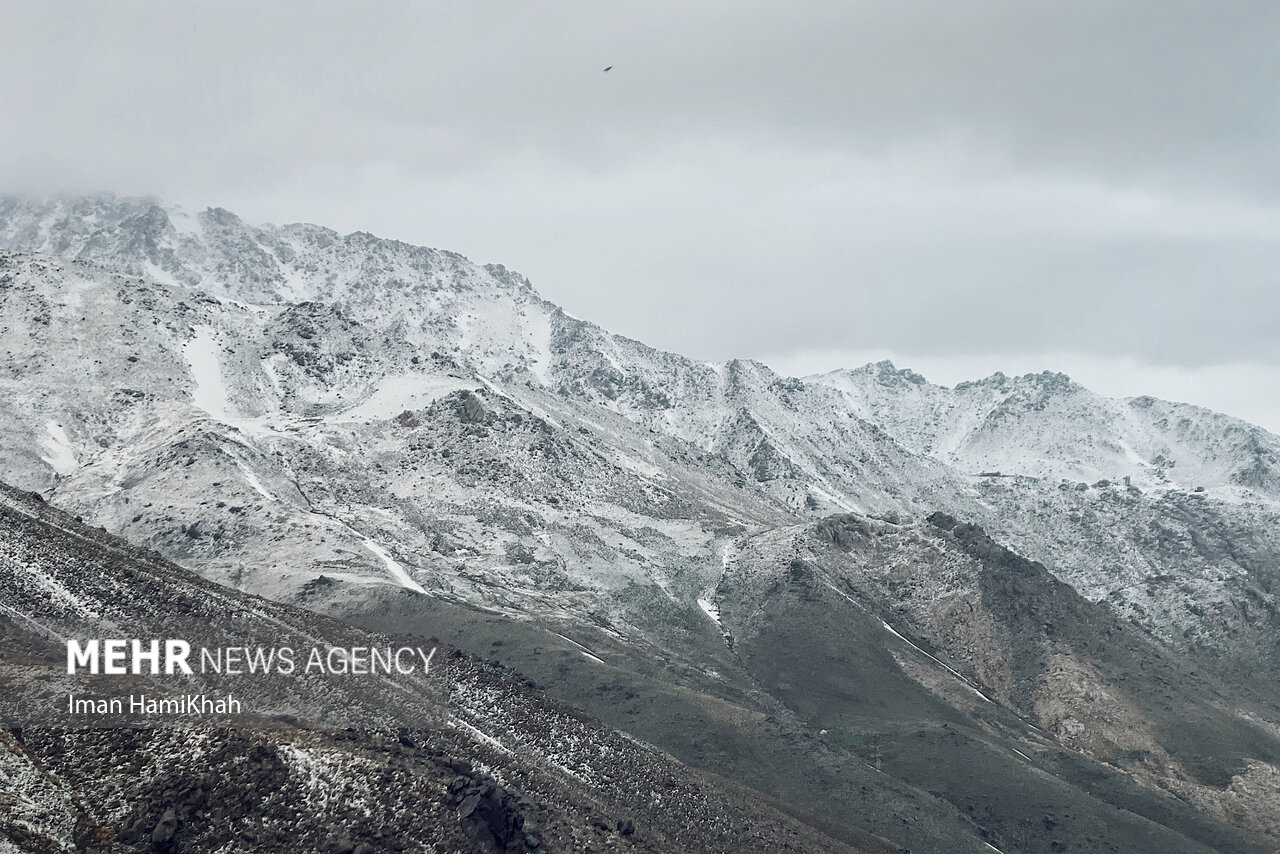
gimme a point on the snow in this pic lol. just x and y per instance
(398, 393)
(483, 737)
(209, 391)
(643, 469)
(894, 632)
(61, 458)
(539, 331)
(397, 571)
(58, 592)
(253, 481)
(74, 290)
(184, 223)
(164, 277)
(533, 408)
(585, 651)
(935, 660)
(41, 627)
(833, 499)
(875, 438)
(842, 593)
(1131, 455)
(463, 323)
(247, 306)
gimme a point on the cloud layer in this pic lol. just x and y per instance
(751, 178)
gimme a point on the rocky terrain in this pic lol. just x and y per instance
(497, 767)
(1013, 612)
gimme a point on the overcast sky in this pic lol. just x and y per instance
(1092, 187)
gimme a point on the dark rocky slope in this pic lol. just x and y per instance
(501, 768)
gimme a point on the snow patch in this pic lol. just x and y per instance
(540, 346)
(480, 735)
(397, 571)
(894, 632)
(158, 274)
(400, 393)
(253, 481)
(832, 498)
(585, 651)
(208, 391)
(61, 457)
(184, 223)
(41, 627)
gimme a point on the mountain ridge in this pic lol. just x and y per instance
(386, 418)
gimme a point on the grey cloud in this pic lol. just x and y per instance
(1176, 92)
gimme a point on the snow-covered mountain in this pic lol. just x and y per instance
(324, 419)
(1046, 426)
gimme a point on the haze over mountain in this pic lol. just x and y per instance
(1010, 613)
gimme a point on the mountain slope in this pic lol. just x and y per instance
(343, 422)
(543, 774)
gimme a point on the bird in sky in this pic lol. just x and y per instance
(610, 68)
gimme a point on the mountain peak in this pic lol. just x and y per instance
(219, 252)
(1049, 381)
(884, 372)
